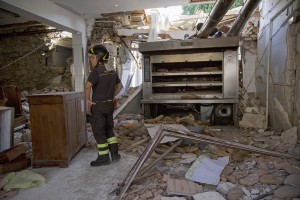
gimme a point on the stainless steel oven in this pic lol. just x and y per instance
(190, 75)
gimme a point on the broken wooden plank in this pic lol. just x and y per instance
(12, 153)
(138, 143)
(15, 165)
(4, 194)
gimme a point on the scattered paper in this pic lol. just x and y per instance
(207, 171)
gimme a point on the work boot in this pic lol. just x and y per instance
(115, 157)
(101, 160)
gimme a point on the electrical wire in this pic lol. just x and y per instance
(33, 51)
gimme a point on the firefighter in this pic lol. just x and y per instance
(105, 84)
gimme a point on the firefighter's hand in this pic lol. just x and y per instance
(89, 104)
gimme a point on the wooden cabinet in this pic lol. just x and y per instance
(58, 127)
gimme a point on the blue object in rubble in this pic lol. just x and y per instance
(218, 34)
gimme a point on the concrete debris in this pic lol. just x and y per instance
(288, 168)
(287, 191)
(254, 110)
(56, 80)
(187, 120)
(290, 136)
(281, 115)
(155, 120)
(271, 179)
(182, 187)
(235, 193)
(254, 192)
(255, 121)
(208, 196)
(249, 180)
(188, 160)
(293, 180)
(246, 192)
(188, 157)
(248, 175)
(224, 187)
(173, 198)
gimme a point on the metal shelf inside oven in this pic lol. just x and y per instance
(185, 73)
(189, 83)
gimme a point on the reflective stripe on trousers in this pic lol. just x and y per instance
(103, 149)
(112, 140)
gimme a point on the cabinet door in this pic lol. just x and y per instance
(71, 122)
(48, 133)
(81, 122)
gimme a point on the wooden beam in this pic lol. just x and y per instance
(20, 25)
(29, 33)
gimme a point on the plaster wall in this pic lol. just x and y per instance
(276, 46)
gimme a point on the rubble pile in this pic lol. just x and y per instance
(51, 89)
(23, 136)
(253, 114)
(250, 31)
(124, 97)
(248, 175)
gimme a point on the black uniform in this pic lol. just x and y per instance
(104, 83)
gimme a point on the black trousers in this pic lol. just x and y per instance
(102, 125)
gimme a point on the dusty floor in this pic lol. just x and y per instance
(257, 174)
(79, 181)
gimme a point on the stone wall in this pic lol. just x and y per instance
(105, 32)
(120, 59)
(26, 61)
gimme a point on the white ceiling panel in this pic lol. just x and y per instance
(94, 8)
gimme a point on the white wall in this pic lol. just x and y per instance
(282, 78)
(249, 63)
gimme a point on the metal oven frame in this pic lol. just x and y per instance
(222, 50)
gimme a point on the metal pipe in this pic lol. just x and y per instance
(215, 16)
(243, 17)
(148, 167)
(212, 140)
(139, 163)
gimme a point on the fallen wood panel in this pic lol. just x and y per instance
(138, 143)
(15, 166)
(12, 153)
